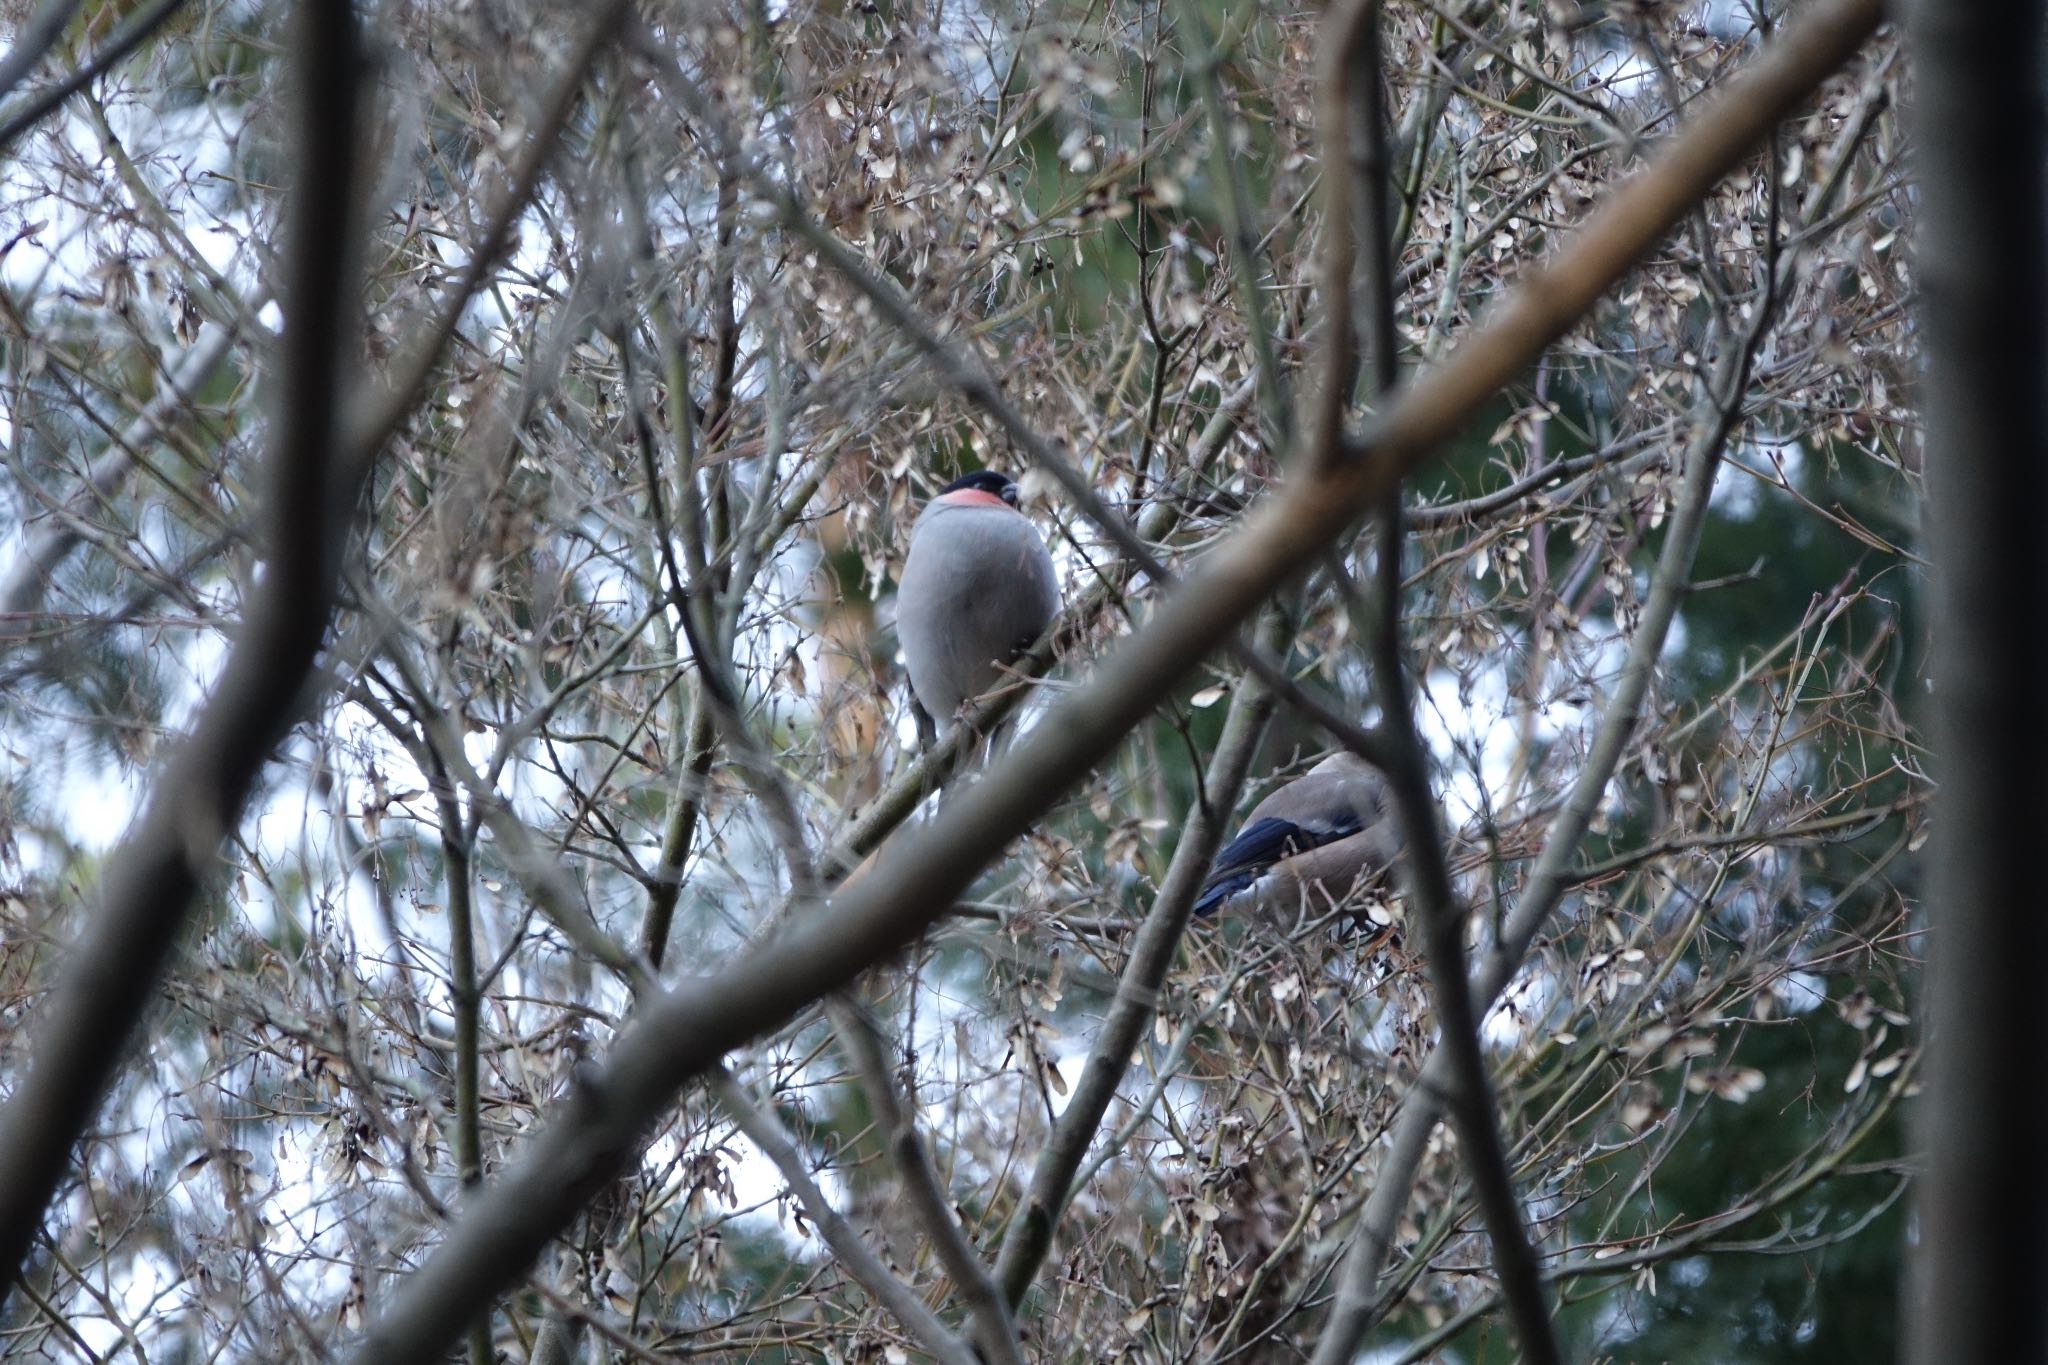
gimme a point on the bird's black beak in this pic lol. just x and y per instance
(1009, 494)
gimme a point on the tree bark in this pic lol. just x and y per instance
(1980, 1280)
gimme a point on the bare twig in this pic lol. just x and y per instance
(47, 544)
(539, 871)
(761, 1126)
(1356, 164)
(994, 1333)
(465, 1001)
(375, 424)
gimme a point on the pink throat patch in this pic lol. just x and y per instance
(971, 497)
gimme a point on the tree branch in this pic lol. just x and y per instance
(1029, 1235)
(33, 38)
(123, 41)
(81, 1030)
(995, 1334)
(1983, 1253)
(1357, 161)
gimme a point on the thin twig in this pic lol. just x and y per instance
(122, 42)
(994, 1332)
(48, 542)
(766, 1132)
(1357, 161)
(375, 424)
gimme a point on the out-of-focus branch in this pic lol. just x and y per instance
(1351, 31)
(556, 1341)
(1362, 97)
(766, 1132)
(81, 1029)
(686, 808)
(465, 1002)
(32, 39)
(1029, 1235)
(677, 1035)
(1204, 56)
(131, 35)
(1982, 1254)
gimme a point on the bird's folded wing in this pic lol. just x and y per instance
(1261, 844)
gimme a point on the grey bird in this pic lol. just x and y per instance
(978, 588)
(1325, 831)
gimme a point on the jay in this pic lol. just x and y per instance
(978, 588)
(1324, 832)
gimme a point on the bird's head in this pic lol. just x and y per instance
(984, 486)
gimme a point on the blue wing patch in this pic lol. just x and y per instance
(1217, 890)
(1261, 844)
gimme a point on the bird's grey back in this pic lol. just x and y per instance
(1340, 782)
(978, 585)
